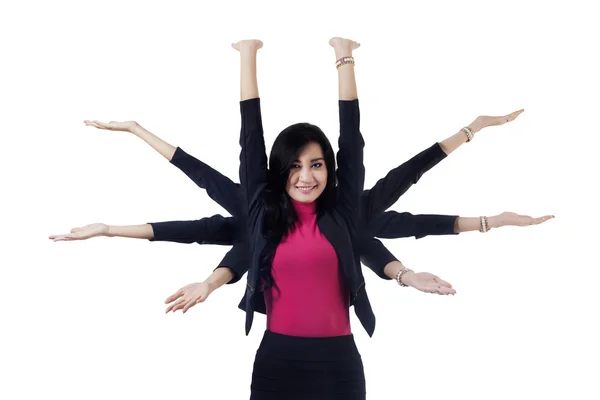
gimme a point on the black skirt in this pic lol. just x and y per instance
(292, 367)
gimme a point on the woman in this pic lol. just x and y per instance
(303, 188)
(225, 231)
(301, 228)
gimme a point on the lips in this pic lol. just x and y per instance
(305, 189)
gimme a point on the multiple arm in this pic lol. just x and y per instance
(221, 230)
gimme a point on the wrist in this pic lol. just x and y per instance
(494, 222)
(339, 53)
(212, 286)
(108, 231)
(401, 273)
(407, 277)
(135, 128)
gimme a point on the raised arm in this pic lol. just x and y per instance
(351, 171)
(253, 158)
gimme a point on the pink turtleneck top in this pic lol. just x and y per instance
(309, 296)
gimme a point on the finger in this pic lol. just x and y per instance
(175, 306)
(539, 220)
(191, 304)
(446, 290)
(442, 282)
(95, 124)
(180, 304)
(431, 288)
(442, 290)
(513, 115)
(174, 296)
(60, 238)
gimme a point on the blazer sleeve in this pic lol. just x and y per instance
(253, 159)
(351, 170)
(389, 189)
(237, 260)
(393, 225)
(219, 187)
(213, 230)
(375, 256)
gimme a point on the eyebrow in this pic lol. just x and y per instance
(313, 160)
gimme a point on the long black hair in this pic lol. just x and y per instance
(280, 217)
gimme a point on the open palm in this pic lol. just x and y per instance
(428, 283)
(125, 126)
(82, 233)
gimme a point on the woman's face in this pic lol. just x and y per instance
(308, 175)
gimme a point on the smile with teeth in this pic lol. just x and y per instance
(305, 189)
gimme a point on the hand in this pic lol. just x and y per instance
(483, 121)
(428, 283)
(343, 47)
(83, 233)
(126, 126)
(250, 44)
(188, 296)
(513, 219)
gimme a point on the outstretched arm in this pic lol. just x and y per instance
(219, 187)
(230, 270)
(162, 147)
(98, 229)
(393, 225)
(389, 189)
(481, 122)
(379, 259)
(213, 230)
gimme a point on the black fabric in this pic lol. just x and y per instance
(294, 368)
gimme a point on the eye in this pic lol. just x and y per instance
(294, 166)
(317, 165)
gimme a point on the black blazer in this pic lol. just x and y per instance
(338, 224)
(373, 221)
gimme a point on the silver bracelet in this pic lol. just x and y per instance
(468, 132)
(400, 274)
(344, 60)
(484, 226)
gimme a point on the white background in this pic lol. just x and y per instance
(85, 320)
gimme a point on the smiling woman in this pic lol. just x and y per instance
(308, 175)
(299, 228)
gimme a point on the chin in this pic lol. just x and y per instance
(304, 200)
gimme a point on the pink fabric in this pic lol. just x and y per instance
(309, 297)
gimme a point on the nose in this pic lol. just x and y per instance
(306, 175)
